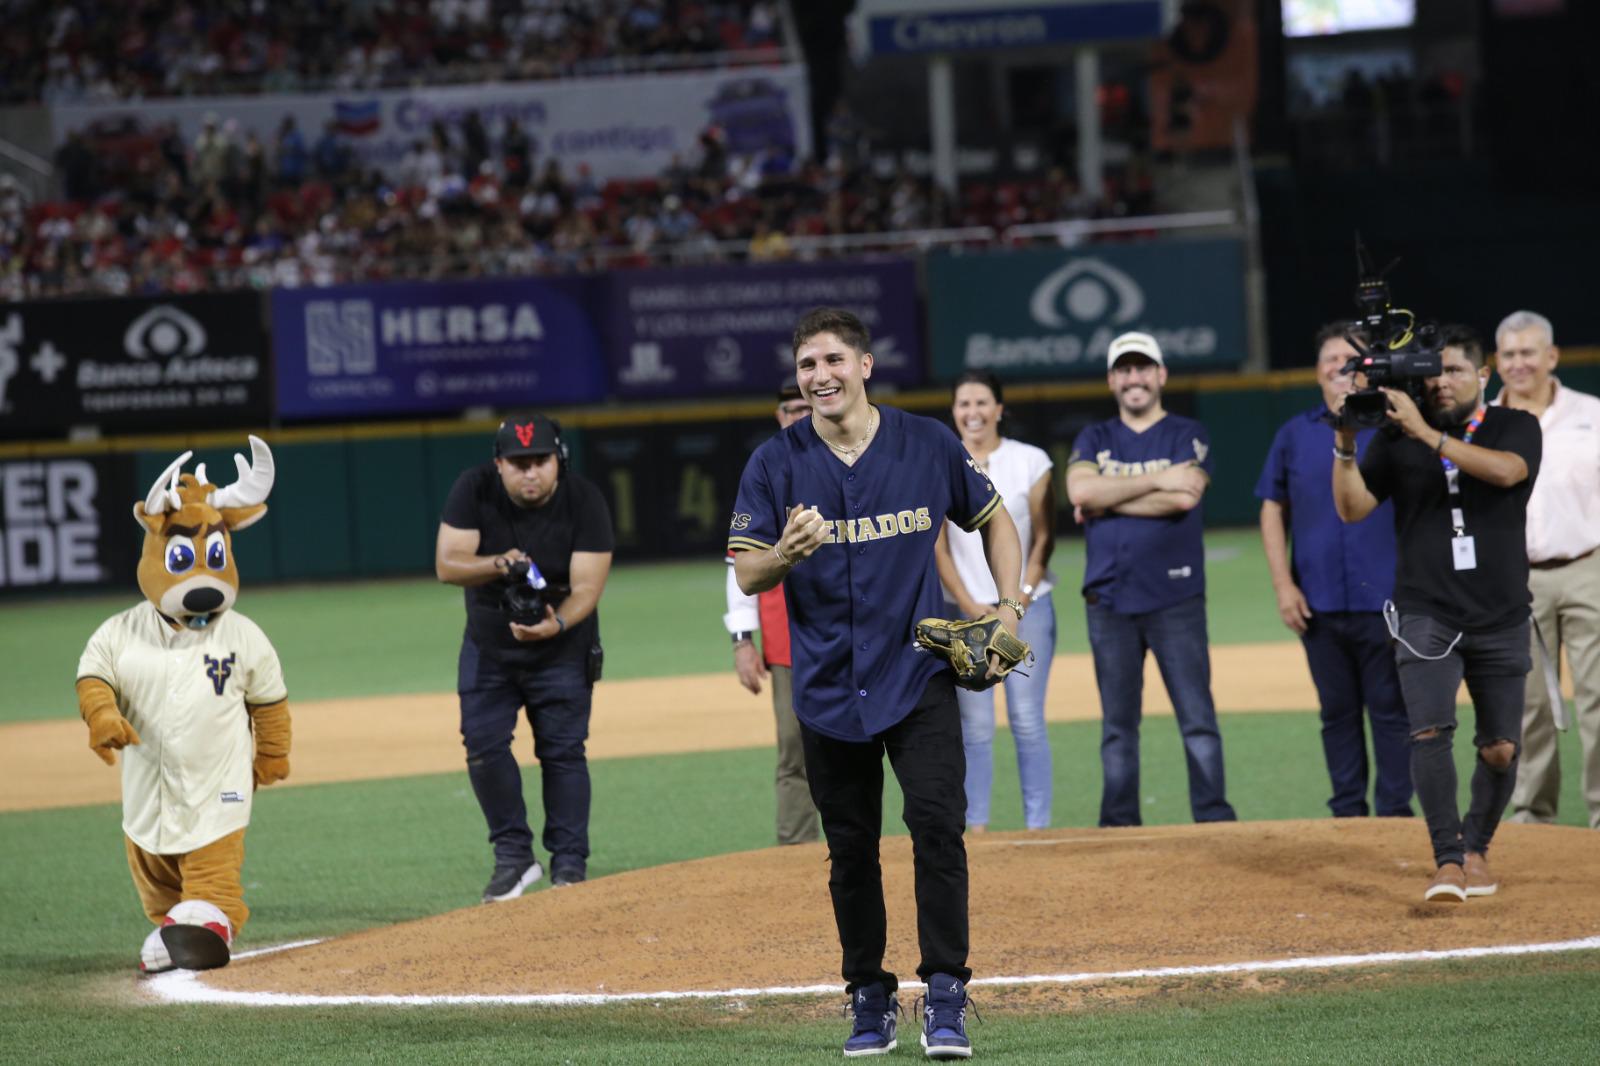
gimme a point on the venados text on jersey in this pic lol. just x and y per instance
(1110, 467)
(877, 527)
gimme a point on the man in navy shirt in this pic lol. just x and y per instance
(1332, 595)
(844, 508)
(1136, 480)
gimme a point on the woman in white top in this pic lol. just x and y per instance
(1021, 474)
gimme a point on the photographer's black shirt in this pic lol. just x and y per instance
(1495, 594)
(574, 519)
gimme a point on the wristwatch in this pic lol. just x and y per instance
(743, 636)
(1007, 601)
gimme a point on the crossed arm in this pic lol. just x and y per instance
(1172, 491)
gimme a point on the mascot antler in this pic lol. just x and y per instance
(163, 494)
(254, 482)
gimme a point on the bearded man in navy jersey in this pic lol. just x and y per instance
(1136, 482)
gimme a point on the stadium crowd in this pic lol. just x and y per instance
(229, 211)
(135, 49)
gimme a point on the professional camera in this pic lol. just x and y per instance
(1393, 351)
(524, 595)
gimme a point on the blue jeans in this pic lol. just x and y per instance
(557, 699)
(1352, 666)
(1176, 635)
(1025, 710)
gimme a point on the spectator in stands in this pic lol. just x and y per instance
(211, 147)
(290, 152)
(330, 156)
(516, 154)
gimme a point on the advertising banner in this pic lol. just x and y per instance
(729, 329)
(65, 523)
(399, 348)
(623, 127)
(898, 27)
(172, 363)
(1052, 312)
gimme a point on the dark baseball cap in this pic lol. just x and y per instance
(788, 392)
(531, 434)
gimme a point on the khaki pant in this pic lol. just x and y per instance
(210, 873)
(1566, 603)
(797, 815)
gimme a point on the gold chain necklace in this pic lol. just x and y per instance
(850, 453)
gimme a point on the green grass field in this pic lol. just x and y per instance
(328, 859)
(371, 638)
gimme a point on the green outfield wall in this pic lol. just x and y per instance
(364, 500)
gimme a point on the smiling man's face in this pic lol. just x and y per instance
(832, 375)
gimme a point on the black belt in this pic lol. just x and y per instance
(1556, 564)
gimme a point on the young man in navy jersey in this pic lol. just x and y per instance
(1136, 481)
(1332, 593)
(844, 509)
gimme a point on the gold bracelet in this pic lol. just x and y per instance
(781, 557)
(1007, 601)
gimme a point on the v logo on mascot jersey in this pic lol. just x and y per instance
(162, 668)
(219, 670)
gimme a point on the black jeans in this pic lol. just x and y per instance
(558, 699)
(1495, 666)
(846, 780)
(1352, 666)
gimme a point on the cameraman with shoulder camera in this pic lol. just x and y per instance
(1459, 473)
(530, 542)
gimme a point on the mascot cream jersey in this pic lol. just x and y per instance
(190, 780)
(194, 692)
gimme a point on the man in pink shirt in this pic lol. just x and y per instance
(1564, 566)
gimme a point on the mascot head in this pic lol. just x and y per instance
(186, 567)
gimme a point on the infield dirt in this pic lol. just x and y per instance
(1083, 901)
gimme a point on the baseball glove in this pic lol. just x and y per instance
(967, 645)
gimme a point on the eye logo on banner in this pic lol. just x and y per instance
(164, 331)
(1086, 290)
(724, 360)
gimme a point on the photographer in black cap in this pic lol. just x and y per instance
(530, 541)
(1460, 474)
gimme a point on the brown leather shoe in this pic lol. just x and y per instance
(1480, 882)
(1449, 885)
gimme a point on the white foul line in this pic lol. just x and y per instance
(184, 986)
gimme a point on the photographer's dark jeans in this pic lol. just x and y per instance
(1495, 666)
(1352, 666)
(558, 700)
(1176, 635)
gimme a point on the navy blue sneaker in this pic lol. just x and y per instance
(944, 1019)
(875, 1012)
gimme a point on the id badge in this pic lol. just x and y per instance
(1463, 553)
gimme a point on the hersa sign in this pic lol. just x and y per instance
(49, 528)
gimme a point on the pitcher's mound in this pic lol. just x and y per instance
(1049, 903)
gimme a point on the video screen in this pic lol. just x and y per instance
(1316, 18)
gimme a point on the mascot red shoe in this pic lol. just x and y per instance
(193, 693)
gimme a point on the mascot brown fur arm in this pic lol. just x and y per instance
(108, 730)
(271, 724)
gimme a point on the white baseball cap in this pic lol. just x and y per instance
(1134, 343)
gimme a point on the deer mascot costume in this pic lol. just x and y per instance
(195, 693)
